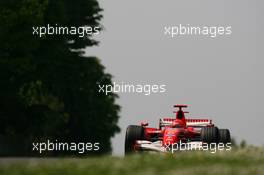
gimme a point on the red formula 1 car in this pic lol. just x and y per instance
(173, 130)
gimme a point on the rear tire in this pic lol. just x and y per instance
(224, 136)
(210, 135)
(133, 133)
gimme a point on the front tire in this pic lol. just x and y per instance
(133, 133)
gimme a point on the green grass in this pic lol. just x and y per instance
(241, 161)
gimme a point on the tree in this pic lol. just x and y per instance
(49, 89)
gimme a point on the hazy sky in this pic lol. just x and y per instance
(219, 78)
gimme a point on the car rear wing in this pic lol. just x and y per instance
(189, 122)
(198, 122)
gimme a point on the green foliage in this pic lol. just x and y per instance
(233, 142)
(49, 90)
(241, 161)
(243, 144)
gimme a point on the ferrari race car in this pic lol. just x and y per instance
(172, 131)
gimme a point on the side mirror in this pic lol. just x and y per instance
(144, 123)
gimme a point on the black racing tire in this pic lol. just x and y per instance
(133, 133)
(224, 136)
(210, 135)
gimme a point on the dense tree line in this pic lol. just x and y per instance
(49, 89)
